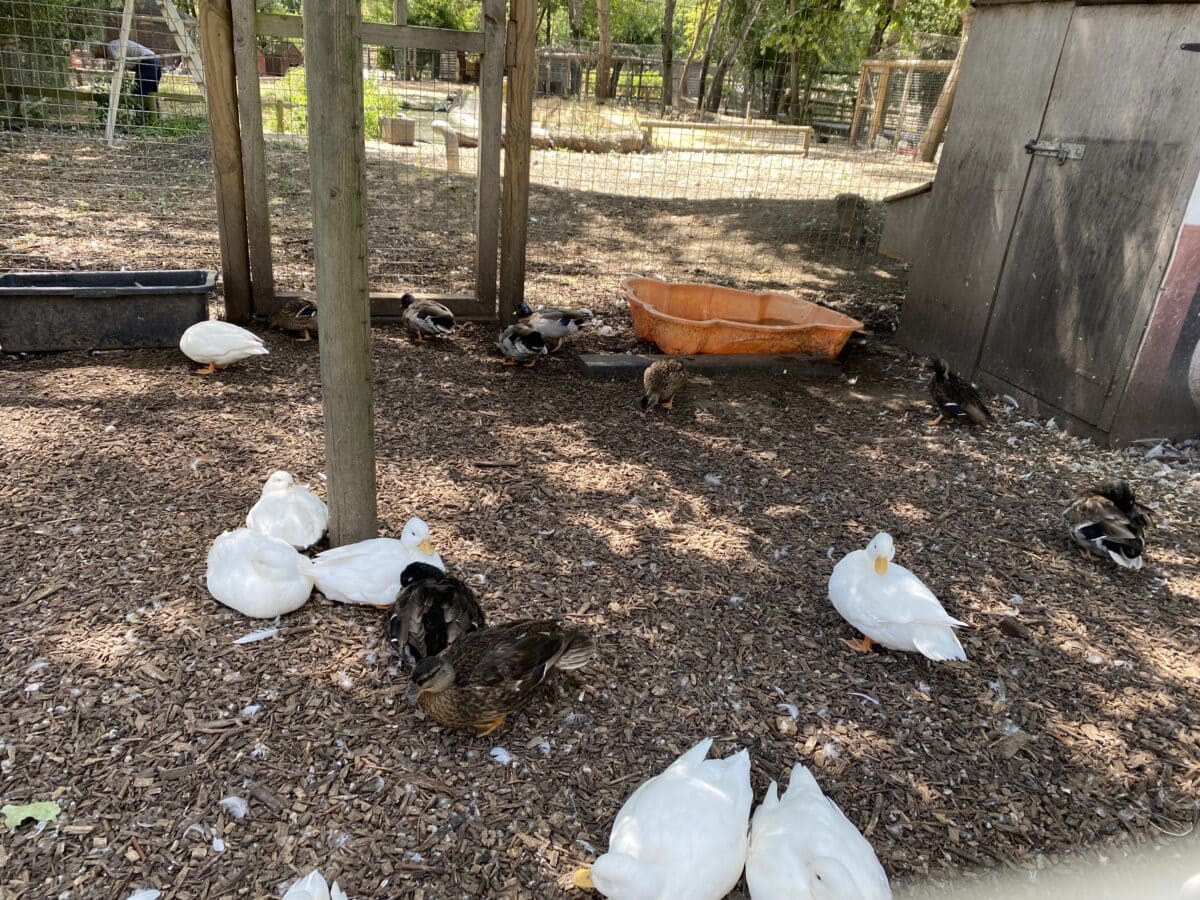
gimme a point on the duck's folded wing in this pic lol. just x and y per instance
(907, 601)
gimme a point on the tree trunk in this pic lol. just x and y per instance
(777, 92)
(614, 81)
(604, 56)
(714, 101)
(927, 149)
(668, 53)
(681, 87)
(708, 50)
(575, 27)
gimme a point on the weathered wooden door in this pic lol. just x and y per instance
(1079, 276)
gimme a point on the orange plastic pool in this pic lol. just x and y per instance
(687, 319)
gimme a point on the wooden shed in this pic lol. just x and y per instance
(1059, 259)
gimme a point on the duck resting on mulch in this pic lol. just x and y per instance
(955, 398)
(296, 316)
(661, 382)
(521, 344)
(426, 318)
(434, 610)
(487, 674)
(1106, 520)
(370, 572)
(554, 323)
(890, 605)
(218, 344)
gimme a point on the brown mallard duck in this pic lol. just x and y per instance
(1106, 520)
(487, 674)
(554, 323)
(426, 318)
(955, 397)
(433, 610)
(297, 316)
(662, 381)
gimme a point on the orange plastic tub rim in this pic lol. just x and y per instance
(690, 319)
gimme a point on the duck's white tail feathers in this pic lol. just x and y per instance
(802, 781)
(938, 643)
(1125, 562)
(692, 758)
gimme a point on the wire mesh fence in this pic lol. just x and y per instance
(756, 173)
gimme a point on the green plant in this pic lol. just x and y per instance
(378, 102)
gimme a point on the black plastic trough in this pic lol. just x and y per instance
(44, 311)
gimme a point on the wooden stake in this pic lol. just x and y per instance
(216, 49)
(927, 149)
(880, 111)
(118, 76)
(337, 153)
(254, 158)
(522, 24)
(487, 210)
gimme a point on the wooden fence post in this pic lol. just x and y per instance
(879, 114)
(927, 148)
(254, 158)
(216, 50)
(523, 25)
(118, 76)
(337, 159)
(487, 211)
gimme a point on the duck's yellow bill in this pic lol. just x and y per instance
(583, 879)
(880, 565)
(426, 547)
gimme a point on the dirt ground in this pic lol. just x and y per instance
(696, 544)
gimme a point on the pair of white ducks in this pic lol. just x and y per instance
(687, 833)
(259, 571)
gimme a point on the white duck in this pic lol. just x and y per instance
(682, 834)
(289, 511)
(217, 344)
(804, 848)
(890, 605)
(258, 575)
(314, 887)
(368, 572)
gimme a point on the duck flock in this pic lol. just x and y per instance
(687, 833)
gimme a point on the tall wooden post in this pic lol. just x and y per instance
(487, 212)
(216, 50)
(254, 158)
(400, 54)
(118, 76)
(927, 148)
(337, 159)
(523, 26)
(879, 114)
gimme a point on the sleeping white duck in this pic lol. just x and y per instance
(258, 575)
(216, 344)
(802, 847)
(289, 511)
(682, 834)
(313, 886)
(368, 572)
(890, 605)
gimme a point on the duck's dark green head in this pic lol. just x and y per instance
(418, 571)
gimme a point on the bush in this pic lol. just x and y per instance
(377, 102)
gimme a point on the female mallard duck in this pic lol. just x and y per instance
(426, 317)
(289, 511)
(954, 396)
(258, 575)
(296, 316)
(369, 572)
(804, 848)
(554, 323)
(434, 610)
(487, 674)
(662, 381)
(682, 834)
(1108, 521)
(890, 605)
(217, 344)
(520, 343)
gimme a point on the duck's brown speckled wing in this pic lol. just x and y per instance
(431, 614)
(955, 398)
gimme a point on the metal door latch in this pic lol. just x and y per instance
(1060, 151)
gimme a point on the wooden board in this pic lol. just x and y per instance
(977, 192)
(491, 100)
(522, 39)
(1093, 235)
(624, 365)
(382, 34)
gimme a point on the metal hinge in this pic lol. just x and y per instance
(1060, 151)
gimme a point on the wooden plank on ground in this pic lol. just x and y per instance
(624, 365)
(386, 306)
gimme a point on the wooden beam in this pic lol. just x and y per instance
(491, 105)
(114, 88)
(337, 153)
(400, 52)
(254, 158)
(515, 222)
(386, 306)
(880, 111)
(927, 148)
(382, 34)
(863, 81)
(216, 49)
(625, 365)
